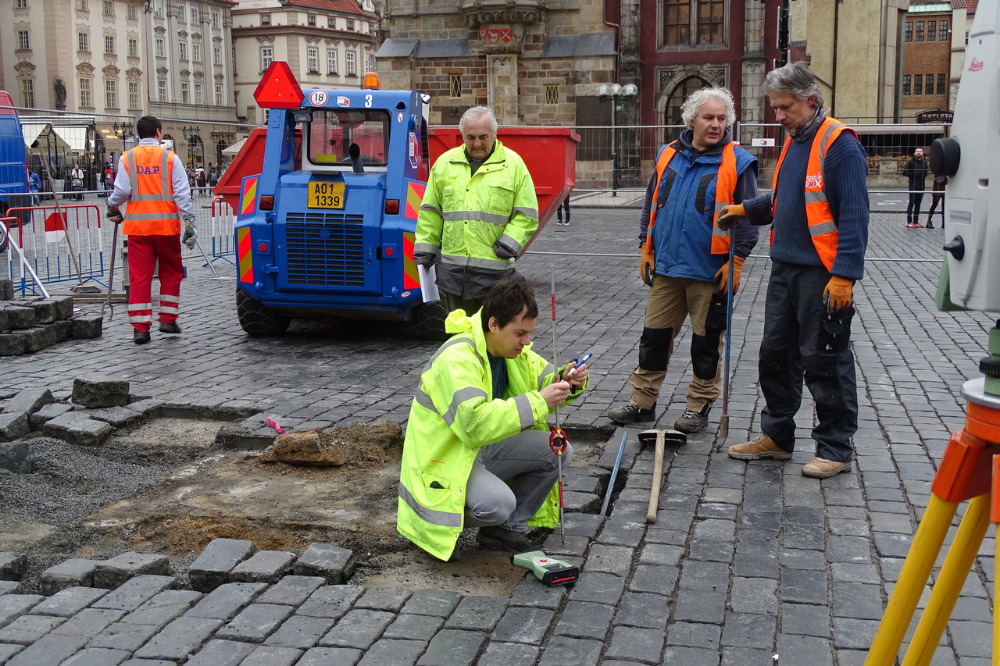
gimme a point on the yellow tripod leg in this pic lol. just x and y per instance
(958, 563)
(912, 578)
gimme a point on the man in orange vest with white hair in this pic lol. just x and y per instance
(153, 182)
(819, 210)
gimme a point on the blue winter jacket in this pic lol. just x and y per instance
(682, 235)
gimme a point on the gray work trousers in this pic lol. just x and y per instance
(511, 479)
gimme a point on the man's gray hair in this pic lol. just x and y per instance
(691, 106)
(794, 78)
(475, 112)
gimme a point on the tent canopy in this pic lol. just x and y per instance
(235, 148)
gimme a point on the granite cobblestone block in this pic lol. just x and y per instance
(357, 629)
(300, 631)
(89, 622)
(211, 569)
(163, 607)
(523, 625)
(413, 627)
(291, 590)
(48, 650)
(332, 562)
(97, 657)
(122, 568)
(392, 651)
(255, 622)
(432, 602)
(269, 655)
(331, 601)
(29, 628)
(383, 598)
(13, 606)
(76, 428)
(225, 601)
(452, 647)
(221, 653)
(179, 639)
(477, 613)
(12, 565)
(69, 601)
(47, 413)
(134, 592)
(266, 566)
(566, 650)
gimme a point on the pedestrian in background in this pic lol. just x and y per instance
(564, 206)
(684, 256)
(937, 194)
(153, 182)
(819, 211)
(76, 181)
(916, 174)
(34, 184)
(478, 212)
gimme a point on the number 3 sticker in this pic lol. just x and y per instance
(368, 101)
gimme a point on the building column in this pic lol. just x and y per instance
(501, 91)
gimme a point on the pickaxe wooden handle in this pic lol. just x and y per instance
(654, 492)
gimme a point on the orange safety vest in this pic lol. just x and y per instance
(724, 186)
(151, 210)
(822, 226)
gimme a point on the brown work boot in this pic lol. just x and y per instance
(762, 447)
(821, 468)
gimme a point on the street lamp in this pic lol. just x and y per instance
(618, 94)
(122, 130)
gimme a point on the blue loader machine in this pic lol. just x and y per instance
(326, 229)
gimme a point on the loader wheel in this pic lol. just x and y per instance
(428, 321)
(257, 319)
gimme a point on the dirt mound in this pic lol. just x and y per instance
(358, 445)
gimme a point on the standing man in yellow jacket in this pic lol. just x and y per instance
(479, 211)
(153, 182)
(476, 452)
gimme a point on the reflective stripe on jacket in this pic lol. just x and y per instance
(151, 210)
(822, 226)
(463, 215)
(452, 416)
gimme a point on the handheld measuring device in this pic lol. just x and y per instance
(550, 571)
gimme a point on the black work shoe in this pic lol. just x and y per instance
(930, 225)
(140, 338)
(691, 421)
(631, 413)
(497, 537)
(169, 328)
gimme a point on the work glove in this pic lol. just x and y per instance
(503, 251)
(730, 215)
(190, 234)
(723, 274)
(115, 215)
(837, 294)
(425, 259)
(646, 263)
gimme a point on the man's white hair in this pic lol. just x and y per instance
(476, 112)
(691, 106)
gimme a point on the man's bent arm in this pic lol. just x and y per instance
(846, 168)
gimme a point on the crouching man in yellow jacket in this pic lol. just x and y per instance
(476, 452)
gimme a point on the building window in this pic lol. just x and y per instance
(312, 59)
(28, 93)
(81, 5)
(131, 12)
(266, 56)
(22, 40)
(252, 115)
(199, 95)
(133, 95)
(690, 22)
(551, 94)
(220, 99)
(216, 20)
(216, 55)
(196, 52)
(350, 24)
(20, 4)
(181, 13)
(83, 41)
(371, 63)
(908, 34)
(906, 84)
(311, 19)
(86, 96)
(331, 62)
(111, 94)
(940, 85)
(161, 51)
(920, 31)
(161, 90)
(943, 30)
(158, 8)
(929, 84)
(185, 92)
(931, 31)
(182, 50)
(966, 37)
(109, 8)
(454, 85)
(265, 19)
(133, 48)
(352, 69)
(918, 84)
(331, 23)
(109, 43)
(194, 15)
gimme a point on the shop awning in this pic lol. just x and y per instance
(31, 132)
(235, 148)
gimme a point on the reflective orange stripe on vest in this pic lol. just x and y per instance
(822, 226)
(725, 185)
(151, 210)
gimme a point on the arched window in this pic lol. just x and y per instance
(689, 85)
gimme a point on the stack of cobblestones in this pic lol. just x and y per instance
(30, 324)
(96, 407)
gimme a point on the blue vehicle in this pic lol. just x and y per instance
(13, 175)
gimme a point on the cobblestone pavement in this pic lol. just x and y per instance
(745, 560)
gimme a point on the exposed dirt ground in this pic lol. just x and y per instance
(163, 488)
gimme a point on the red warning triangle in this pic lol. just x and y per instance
(278, 89)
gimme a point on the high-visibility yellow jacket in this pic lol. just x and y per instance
(453, 415)
(463, 215)
(151, 209)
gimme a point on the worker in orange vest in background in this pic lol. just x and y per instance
(153, 182)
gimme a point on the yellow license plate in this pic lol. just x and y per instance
(323, 194)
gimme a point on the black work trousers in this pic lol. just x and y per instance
(790, 353)
(913, 207)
